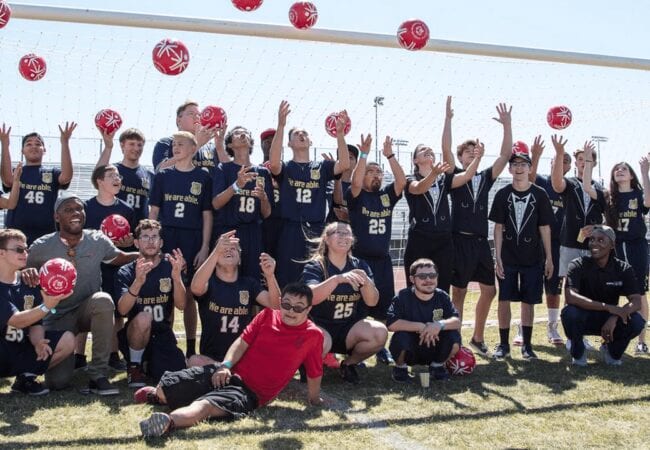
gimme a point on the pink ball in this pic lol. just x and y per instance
(57, 276)
(462, 363)
(303, 15)
(213, 116)
(330, 125)
(170, 57)
(32, 67)
(5, 13)
(108, 120)
(413, 34)
(115, 227)
(559, 117)
(247, 5)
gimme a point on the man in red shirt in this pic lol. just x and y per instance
(257, 366)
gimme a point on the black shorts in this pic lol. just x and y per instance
(195, 383)
(553, 285)
(382, 271)
(417, 354)
(339, 332)
(160, 355)
(472, 261)
(522, 283)
(187, 240)
(294, 248)
(438, 247)
(635, 253)
(20, 357)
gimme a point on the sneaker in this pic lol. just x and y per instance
(28, 385)
(553, 334)
(480, 347)
(101, 386)
(331, 361)
(156, 425)
(580, 362)
(384, 356)
(641, 349)
(116, 363)
(519, 338)
(588, 345)
(439, 373)
(501, 351)
(135, 376)
(146, 394)
(349, 373)
(527, 352)
(401, 375)
(607, 358)
(80, 362)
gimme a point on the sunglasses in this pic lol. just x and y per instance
(425, 276)
(19, 250)
(288, 307)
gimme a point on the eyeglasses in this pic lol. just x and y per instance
(288, 307)
(116, 176)
(426, 275)
(19, 250)
(519, 164)
(149, 238)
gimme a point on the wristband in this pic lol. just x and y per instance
(131, 293)
(45, 309)
(227, 364)
(235, 188)
(363, 155)
(392, 155)
(442, 325)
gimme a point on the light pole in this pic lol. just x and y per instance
(379, 101)
(398, 143)
(598, 140)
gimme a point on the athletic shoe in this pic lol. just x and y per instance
(80, 362)
(553, 334)
(28, 385)
(146, 394)
(401, 375)
(384, 356)
(641, 349)
(480, 347)
(135, 376)
(349, 373)
(116, 363)
(588, 345)
(158, 424)
(101, 386)
(439, 373)
(527, 352)
(607, 358)
(501, 351)
(519, 338)
(331, 361)
(580, 362)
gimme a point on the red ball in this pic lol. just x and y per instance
(32, 67)
(247, 5)
(213, 116)
(108, 120)
(559, 117)
(303, 15)
(57, 276)
(115, 227)
(462, 363)
(5, 13)
(170, 57)
(413, 34)
(520, 147)
(330, 125)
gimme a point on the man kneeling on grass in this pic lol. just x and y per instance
(425, 323)
(257, 366)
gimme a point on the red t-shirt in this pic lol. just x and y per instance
(276, 351)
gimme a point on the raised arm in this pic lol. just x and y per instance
(421, 186)
(587, 172)
(505, 119)
(275, 152)
(536, 151)
(105, 156)
(557, 175)
(447, 154)
(269, 298)
(12, 201)
(66, 159)
(395, 167)
(359, 170)
(463, 177)
(644, 163)
(343, 159)
(219, 146)
(180, 291)
(5, 161)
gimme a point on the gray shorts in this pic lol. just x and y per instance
(568, 254)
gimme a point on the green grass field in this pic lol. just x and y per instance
(512, 404)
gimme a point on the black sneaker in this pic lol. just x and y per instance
(527, 352)
(349, 373)
(439, 373)
(479, 347)
(28, 385)
(501, 351)
(80, 362)
(384, 356)
(157, 425)
(116, 363)
(101, 386)
(401, 375)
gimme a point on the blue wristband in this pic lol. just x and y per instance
(227, 364)
(363, 155)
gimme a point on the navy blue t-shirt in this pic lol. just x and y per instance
(576, 215)
(429, 212)
(371, 219)
(205, 157)
(225, 310)
(136, 184)
(155, 296)
(470, 204)
(556, 203)
(182, 197)
(15, 298)
(406, 306)
(96, 212)
(629, 214)
(242, 207)
(303, 190)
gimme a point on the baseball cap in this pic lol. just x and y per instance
(269, 132)
(64, 198)
(606, 230)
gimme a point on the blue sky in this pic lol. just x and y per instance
(92, 67)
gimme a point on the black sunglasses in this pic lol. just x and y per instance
(424, 276)
(288, 307)
(19, 250)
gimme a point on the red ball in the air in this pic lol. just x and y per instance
(5, 13)
(57, 276)
(32, 67)
(413, 34)
(303, 15)
(330, 125)
(214, 116)
(108, 120)
(247, 5)
(559, 117)
(170, 57)
(115, 227)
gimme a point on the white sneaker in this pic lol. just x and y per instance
(607, 358)
(553, 334)
(519, 338)
(588, 345)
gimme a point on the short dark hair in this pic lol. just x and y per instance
(422, 262)
(464, 146)
(31, 135)
(9, 234)
(131, 133)
(99, 172)
(299, 290)
(147, 224)
(181, 109)
(228, 140)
